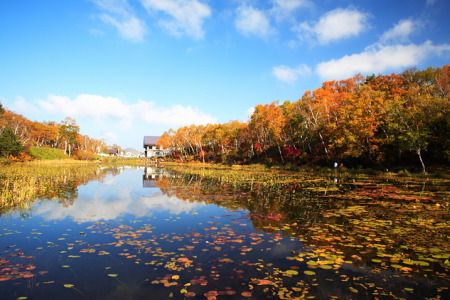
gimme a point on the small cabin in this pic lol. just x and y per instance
(113, 152)
(150, 147)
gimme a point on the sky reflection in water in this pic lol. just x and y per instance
(114, 196)
(123, 238)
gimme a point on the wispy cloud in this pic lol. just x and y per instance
(128, 26)
(251, 21)
(182, 17)
(379, 59)
(334, 25)
(401, 31)
(288, 74)
(120, 15)
(284, 9)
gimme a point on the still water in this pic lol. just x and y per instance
(138, 233)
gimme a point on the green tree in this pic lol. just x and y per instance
(9, 144)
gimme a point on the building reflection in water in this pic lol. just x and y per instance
(151, 174)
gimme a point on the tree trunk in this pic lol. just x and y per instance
(65, 147)
(418, 151)
(281, 154)
(323, 143)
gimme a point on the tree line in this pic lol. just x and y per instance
(18, 134)
(398, 119)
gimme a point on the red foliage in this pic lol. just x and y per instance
(290, 152)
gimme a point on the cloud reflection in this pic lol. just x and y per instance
(106, 202)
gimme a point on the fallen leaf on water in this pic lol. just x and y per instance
(263, 282)
(246, 294)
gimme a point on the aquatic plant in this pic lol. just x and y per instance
(22, 183)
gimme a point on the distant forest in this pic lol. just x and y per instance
(379, 121)
(18, 135)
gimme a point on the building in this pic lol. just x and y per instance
(113, 152)
(130, 152)
(150, 148)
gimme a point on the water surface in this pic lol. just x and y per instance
(140, 233)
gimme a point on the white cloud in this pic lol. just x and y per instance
(111, 118)
(250, 112)
(186, 16)
(86, 106)
(113, 6)
(290, 5)
(251, 21)
(102, 204)
(401, 31)
(283, 9)
(378, 59)
(21, 105)
(104, 109)
(120, 15)
(335, 25)
(129, 27)
(290, 75)
(176, 115)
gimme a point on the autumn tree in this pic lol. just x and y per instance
(421, 108)
(294, 130)
(46, 134)
(266, 126)
(21, 126)
(357, 119)
(69, 134)
(314, 123)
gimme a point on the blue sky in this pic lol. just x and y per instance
(128, 68)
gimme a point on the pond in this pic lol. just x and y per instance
(143, 233)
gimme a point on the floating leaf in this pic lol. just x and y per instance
(291, 272)
(264, 282)
(307, 272)
(246, 294)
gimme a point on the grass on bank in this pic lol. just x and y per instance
(45, 153)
